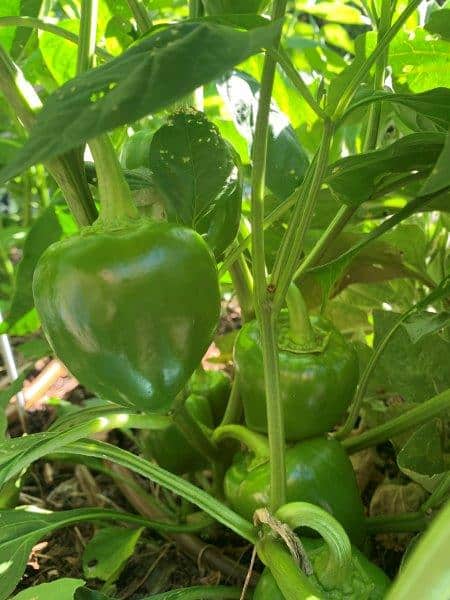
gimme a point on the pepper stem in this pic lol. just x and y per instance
(301, 330)
(293, 583)
(255, 442)
(303, 514)
(115, 196)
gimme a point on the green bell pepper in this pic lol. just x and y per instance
(114, 306)
(317, 471)
(339, 570)
(316, 386)
(215, 386)
(135, 152)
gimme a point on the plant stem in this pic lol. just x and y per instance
(301, 330)
(47, 25)
(289, 253)
(304, 514)
(286, 64)
(416, 416)
(340, 220)
(291, 580)
(267, 321)
(88, 26)
(197, 438)
(255, 442)
(141, 16)
(115, 196)
(243, 285)
(365, 67)
(66, 170)
(233, 410)
(373, 124)
(416, 521)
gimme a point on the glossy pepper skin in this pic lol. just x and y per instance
(368, 582)
(118, 308)
(233, 7)
(171, 450)
(136, 150)
(215, 386)
(317, 471)
(316, 388)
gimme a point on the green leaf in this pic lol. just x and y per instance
(419, 61)
(417, 371)
(8, 8)
(61, 589)
(136, 84)
(334, 12)
(106, 554)
(356, 179)
(8, 149)
(60, 55)
(433, 104)
(423, 457)
(287, 161)
(197, 173)
(45, 231)
(22, 528)
(217, 592)
(439, 23)
(422, 324)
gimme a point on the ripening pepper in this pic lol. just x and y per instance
(318, 470)
(136, 150)
(317, 379)
(233, 7)
(117, 307)
(363, 580)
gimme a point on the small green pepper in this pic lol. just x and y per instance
(317, 471)
(117, 307)
(215, 386)
(316, 385)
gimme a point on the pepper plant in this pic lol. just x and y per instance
(161, 158)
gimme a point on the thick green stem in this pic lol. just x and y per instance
(88, 26)
(303, 514)
(341, 219)
(141, 16)
(255, 442)
(403, 523)
(197, 438)
(115, 196)
(233, 410)
(267, 322)
(417, 416)
(286, 64)
(290, 252)
(301, 330)
(66, 170)
(291, 580)
(243, 285)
